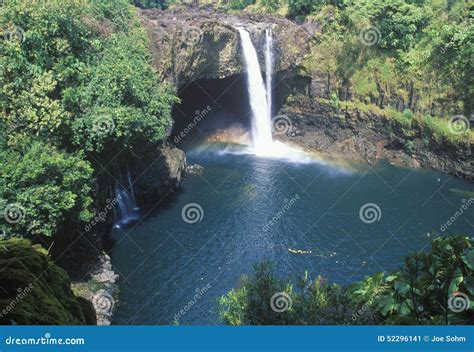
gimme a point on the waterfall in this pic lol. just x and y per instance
(126, 210)
(261, 121)
(260, 94)
(269, 69)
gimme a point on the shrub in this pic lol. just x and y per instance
(420, 292)
(44, 189)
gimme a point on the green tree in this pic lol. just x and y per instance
(43, 190)
(423, 291)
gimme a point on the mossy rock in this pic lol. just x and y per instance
(33, 290)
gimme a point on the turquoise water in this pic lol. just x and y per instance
(167, 265)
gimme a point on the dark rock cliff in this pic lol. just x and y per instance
(196, 44)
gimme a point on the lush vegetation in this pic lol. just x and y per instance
(76, 89)
(403, 55)
(435, 287)
(36, 291)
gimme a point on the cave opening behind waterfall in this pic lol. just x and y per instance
(211, 107)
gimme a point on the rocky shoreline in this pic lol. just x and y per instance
(101, 289)
(368, 137)
(156, 173)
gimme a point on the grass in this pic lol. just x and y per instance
(435, 127)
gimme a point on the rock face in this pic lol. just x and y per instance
(365, 136)
(158, 173)
(195, 44)
(33, 290)
(101, 289)
(190, 44)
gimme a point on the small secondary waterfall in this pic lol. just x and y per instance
(269, 69)
(261, 121)
(127, 209)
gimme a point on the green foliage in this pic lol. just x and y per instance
(450, 49)
(440, 131)
(50, 187)
(303, 7)
(237, 4)
(398, 53)
(250, 304)
(77, 81)
(36, 291)
(272, 5)
(399, 23)
(403, 118)
(122, 99)
(421, 292)
(147, 4)
(410, 147)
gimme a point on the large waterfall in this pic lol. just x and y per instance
(260, 94)
(269, 69)
(261, 121)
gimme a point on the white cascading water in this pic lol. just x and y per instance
(260, 94)
(269, 69)
(261, 122)
(127, 207)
